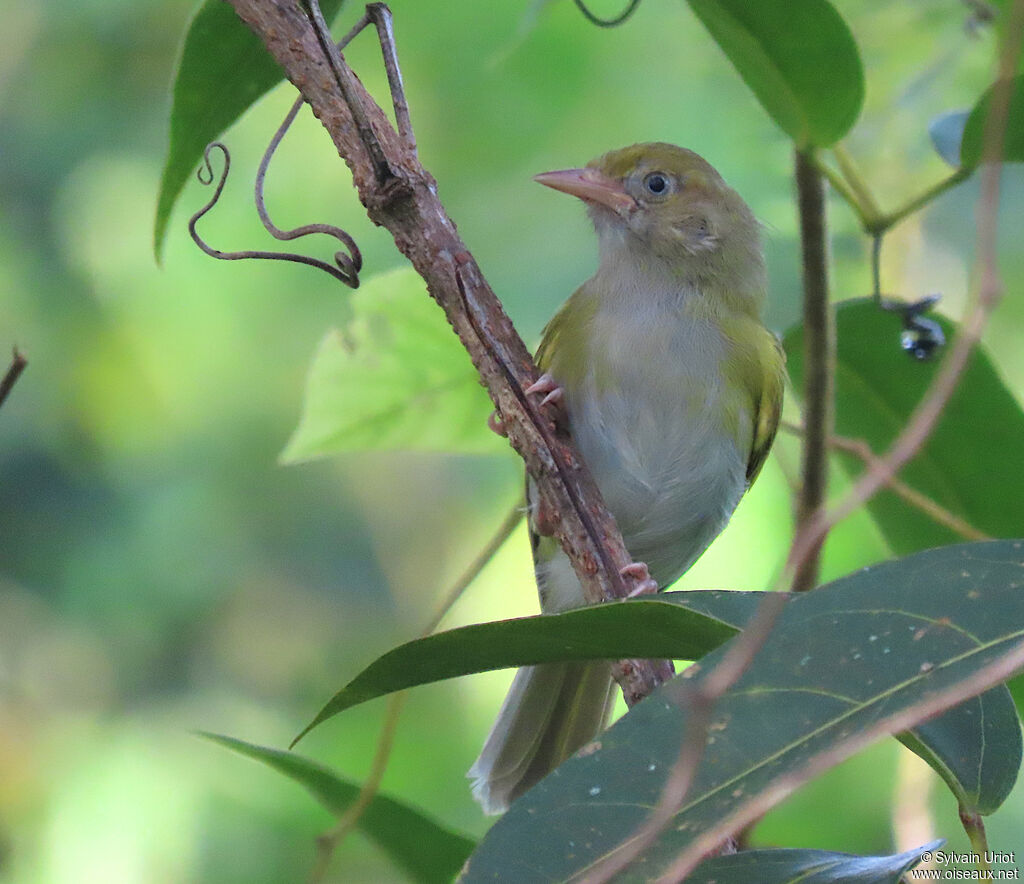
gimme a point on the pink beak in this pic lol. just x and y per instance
(591, 186)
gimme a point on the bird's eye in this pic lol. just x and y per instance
(656, 183)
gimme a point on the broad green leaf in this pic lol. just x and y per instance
(969, 746)
(223, 69)
(799, 59)
(972, 474)
(792, 866)
(428, 852)
(840, 662)
(947, 134)
(972, 148)
(395, 378)
(676, 625)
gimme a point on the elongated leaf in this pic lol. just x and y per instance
(677, 625)
(428, 851)
(799, 59)
(789, 866)
(223, 69)
(395, 378)
(974, 747)
(972, 146)
(972, 474)
(839, 661)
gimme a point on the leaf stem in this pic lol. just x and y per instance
(856, 180)
(974, 826)
(886, 222)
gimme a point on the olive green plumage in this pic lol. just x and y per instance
(672, 388)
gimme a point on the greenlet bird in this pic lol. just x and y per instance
(672, 389)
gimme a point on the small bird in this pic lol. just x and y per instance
(671, 387)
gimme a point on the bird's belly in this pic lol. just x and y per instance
(668, 467)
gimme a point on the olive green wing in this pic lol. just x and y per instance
(767, 403)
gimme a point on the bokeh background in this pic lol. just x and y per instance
(160, 573)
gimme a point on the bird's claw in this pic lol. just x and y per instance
(554, 395)
(645, 583)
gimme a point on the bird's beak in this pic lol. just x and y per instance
(592, 187)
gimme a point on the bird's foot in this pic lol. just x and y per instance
(552, 405)
(553, 402)
(645, 583)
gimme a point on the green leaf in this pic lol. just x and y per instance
(676, 625)
(975, 747)
(947, 134)
(223, 69)
(791, 866)
(395, 378)
(799, 59)
(972, 474)
(970, 746)
(426, 850)
(840, 662)
(972, 148)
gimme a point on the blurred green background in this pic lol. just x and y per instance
(160, 573)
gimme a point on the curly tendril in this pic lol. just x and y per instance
(347, 263)
(607, 22)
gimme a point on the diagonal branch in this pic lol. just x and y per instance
(400, 195)
(14, 370)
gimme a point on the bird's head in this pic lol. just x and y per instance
(662, 202)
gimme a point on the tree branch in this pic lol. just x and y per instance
(819, 358)
(14, 370)
(400, 195)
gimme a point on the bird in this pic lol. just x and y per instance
(671, 387)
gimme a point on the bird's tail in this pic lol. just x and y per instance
(550, 712)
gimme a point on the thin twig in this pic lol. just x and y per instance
(819, 357)
(931, 508)
(856, 181)
(406, 203)
(330, 840)
(14, 370)
(380, 15)
(812, 532)
(876, 268)
(882, 223)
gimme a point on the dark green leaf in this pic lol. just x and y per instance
(223, 69)
(788, 866)
(975, 747)
(947, 133)
(971, 746)
(799, 59)
(395, 378)
(972, 147)
(677, 625)
(426, 850)
(840, 662)
(972, 474)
